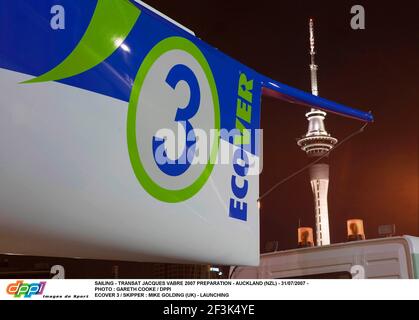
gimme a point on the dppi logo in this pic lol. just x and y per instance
(27, 290)
(181, 97)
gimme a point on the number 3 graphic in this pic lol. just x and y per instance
(178, 166)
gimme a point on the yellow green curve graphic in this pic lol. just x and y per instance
(111, 23)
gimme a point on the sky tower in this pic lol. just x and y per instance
(316, 143)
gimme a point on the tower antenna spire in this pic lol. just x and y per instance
(313, 66)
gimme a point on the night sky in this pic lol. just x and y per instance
(374, 176)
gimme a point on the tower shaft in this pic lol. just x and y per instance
(319, 180)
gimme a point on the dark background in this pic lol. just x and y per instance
(374, 176)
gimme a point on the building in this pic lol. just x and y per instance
(317, 143)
